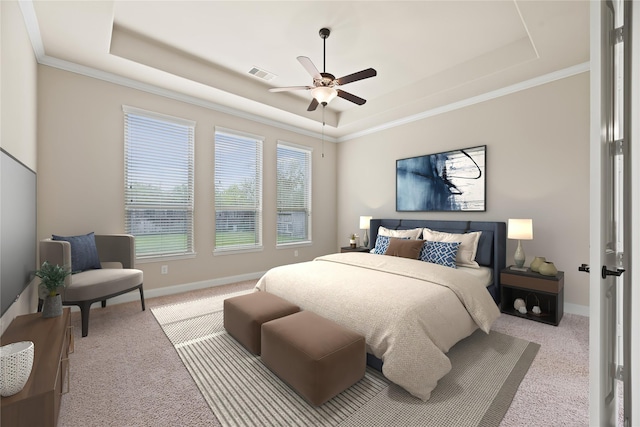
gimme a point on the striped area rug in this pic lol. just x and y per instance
(241, 391)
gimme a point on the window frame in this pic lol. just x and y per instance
(308, 151)
(259, 208)
(187, 207)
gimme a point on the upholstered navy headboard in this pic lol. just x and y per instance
(491, 247)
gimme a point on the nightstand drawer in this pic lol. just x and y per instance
(542, 284)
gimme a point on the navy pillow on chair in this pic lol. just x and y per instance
(84, 254)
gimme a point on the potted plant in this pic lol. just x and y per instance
(352, 240)
(52, 277)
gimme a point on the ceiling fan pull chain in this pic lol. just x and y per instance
(323, 130)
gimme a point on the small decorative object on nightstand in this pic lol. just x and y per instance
(547, 269)
(543, 296)
(536, 263)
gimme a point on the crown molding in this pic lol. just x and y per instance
(507, 90)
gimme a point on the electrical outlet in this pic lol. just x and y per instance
(295, 253)
(164, 269)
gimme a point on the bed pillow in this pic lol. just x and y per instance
(442, 253)
(382, 243)
(468, 244)
(84, 254)
(405, 248)
(414, 233)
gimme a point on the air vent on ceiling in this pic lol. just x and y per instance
(263, 74)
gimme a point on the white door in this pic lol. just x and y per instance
(610, 298)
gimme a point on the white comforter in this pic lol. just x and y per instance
(410, 312)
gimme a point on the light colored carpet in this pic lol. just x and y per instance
(241, 391)
(126, 372)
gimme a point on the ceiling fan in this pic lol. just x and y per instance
(325, 85)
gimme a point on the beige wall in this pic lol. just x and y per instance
(18, 129)
(537, 167)
(81, 176)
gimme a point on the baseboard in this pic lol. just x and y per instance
(177, 289)
(581, 310)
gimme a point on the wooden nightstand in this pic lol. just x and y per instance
(547, 292)
(350, 249)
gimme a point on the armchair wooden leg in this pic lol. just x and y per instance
(85, 308)
(104, 303)
(142, 297)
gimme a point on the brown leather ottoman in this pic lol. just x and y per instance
(317, 357)
(244, 315)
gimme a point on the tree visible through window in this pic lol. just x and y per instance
(238, 190)
(158, 182)
(293, 194)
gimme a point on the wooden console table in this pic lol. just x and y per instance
(38, 403)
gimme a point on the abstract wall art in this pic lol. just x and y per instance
(448, 181)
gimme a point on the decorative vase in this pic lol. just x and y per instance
(536, 263)
(52, 306)
(16, 362)
(352, 243)
(548, 269)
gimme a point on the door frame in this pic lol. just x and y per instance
(599, 412)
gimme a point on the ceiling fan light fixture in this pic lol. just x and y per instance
(324, 94)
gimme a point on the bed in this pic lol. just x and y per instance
(411, 312)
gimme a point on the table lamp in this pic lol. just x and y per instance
(364, 225)
(521, 229)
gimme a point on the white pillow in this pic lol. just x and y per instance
(414, 233)
(466, 255)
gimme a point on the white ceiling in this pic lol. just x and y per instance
(429, 55)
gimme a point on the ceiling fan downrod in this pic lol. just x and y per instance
(324, 34)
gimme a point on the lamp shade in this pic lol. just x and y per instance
(521, 229)
(324, 94)
(364, 222)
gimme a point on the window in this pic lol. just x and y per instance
(158, 167)
(238, 190)
(294, 193)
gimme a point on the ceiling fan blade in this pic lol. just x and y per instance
(284, 89)
(351, 97)
(311, 69)
(360, 75)
(313, 105)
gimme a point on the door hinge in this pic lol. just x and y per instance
(617, 35)
(616, 148)
(619, 374)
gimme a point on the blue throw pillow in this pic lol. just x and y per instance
(443, 253)
(84, 254)
(382, 243)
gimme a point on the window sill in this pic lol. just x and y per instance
(160, 258)
(294, 245)
(217, 252)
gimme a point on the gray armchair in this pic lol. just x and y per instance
(117, 275)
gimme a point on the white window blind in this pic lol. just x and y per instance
(293, 193)
(158, 182)
(238, 190)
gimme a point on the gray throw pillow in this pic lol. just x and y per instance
(84, 254)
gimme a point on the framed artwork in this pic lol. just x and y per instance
(449, 181)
